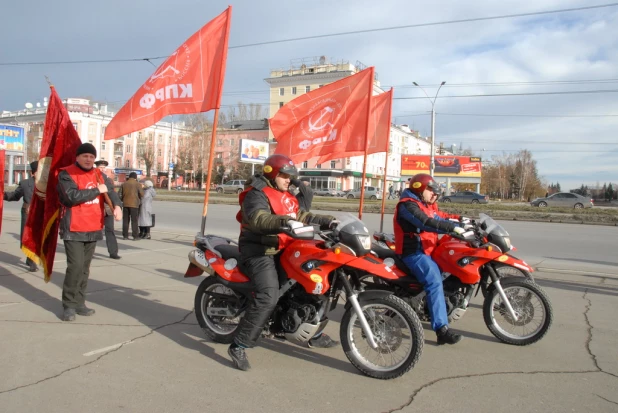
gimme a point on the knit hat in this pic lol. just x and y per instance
(33, 166)
(86, 148)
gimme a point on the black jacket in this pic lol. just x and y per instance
(69, 196)
(258, 235)
(25, 189)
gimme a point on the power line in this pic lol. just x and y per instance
(571, 92)
(488, 141)
(521, 83)
(511, 115)
(320, 36)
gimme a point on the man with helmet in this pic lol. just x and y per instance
(417, 223)
(266, 206)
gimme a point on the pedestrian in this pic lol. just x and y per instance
(390, 192)
(110, 236)
(131, 193)
(24, 190)
(146, 216)
(81, 189)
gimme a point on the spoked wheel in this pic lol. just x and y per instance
(397, 332)
(503, 271)
(217, 310)
(532, 308)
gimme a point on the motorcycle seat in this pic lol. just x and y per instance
(389, 253)
(228, 251)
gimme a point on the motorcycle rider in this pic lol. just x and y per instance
(266, 207)
(417, 225)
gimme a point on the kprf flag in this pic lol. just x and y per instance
(325, 121)
(2, 159)
(379, 127)
(58, 148)
(189, 81)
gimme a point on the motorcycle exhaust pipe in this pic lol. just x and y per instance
(197, 258)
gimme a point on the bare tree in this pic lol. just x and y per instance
(146, 151)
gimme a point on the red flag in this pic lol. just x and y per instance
(189, 81)
(60, 142)
(326, 121)
(2, 158)
(379, 128)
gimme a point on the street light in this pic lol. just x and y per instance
(433, 124)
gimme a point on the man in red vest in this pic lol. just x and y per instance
(265, 207)
(417, 225)
(80, 188)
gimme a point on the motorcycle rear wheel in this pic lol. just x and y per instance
(395, 327)
(220, 329)
(530, 303)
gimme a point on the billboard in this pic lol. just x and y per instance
(12, 137)
(253, 151)
(447, 166)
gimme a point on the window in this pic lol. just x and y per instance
(103, 145)
(333, 164)
(117, 163)
(307, 89)
(139, 135)
(280, 105)
(293, 90)
(103, 130)
(127, 164)
(128, 148)
(92, 129)
(158, 152)
(219, 142)
(159, 167)
(232, 142)
(281, 91)
(150, 136)
(305, 164)
(219, 155)
(319, 166)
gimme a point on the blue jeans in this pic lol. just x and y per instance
(427, 272)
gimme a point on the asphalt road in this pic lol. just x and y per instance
(143, 351)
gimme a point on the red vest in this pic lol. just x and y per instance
(89, 216)
(428, 239)
(281, 203)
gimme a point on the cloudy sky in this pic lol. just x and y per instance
(572, 136)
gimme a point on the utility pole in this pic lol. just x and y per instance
(432, 165)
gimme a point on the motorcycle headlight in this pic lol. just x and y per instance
(365, 241)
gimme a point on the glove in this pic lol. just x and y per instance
(295, 224)
(333, 224)
(459, 230)
(296, 182)
(464, 220)
(468, 226)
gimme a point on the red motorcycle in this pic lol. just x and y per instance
(516, 310)
(380, 334)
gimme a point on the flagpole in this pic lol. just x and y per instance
(362, 194)
(388, 139)
(211, 159)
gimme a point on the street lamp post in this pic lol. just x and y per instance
(432, 164)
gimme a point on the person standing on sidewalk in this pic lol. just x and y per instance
(110, 236)
(131, 193)
(24, 190)
(146, 216)
(80, 191)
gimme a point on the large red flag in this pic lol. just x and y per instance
(379, 128)
(189, 81)
(326, 121)
(2, 158)
(58, 148)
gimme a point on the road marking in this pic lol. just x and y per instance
(575, 271)
(106, 349)
(9, 304)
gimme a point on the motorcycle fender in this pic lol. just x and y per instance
(369, 295)
(375, 266)
(193, 271)
(515, 262)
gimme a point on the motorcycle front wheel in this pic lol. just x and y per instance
(503, 271)
(532, 308)
(397, 331)
(217, 310)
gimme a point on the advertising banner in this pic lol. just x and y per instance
(12, 137)
(447, 166)
(253, 151)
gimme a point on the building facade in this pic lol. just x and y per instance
(307, 74)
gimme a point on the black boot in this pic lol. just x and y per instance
(446, 336)
(239, 357)
(142, 232)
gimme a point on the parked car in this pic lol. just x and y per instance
(327, 192)
(465, 197)
(371, 192)
(235, 186)
(564, 199)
